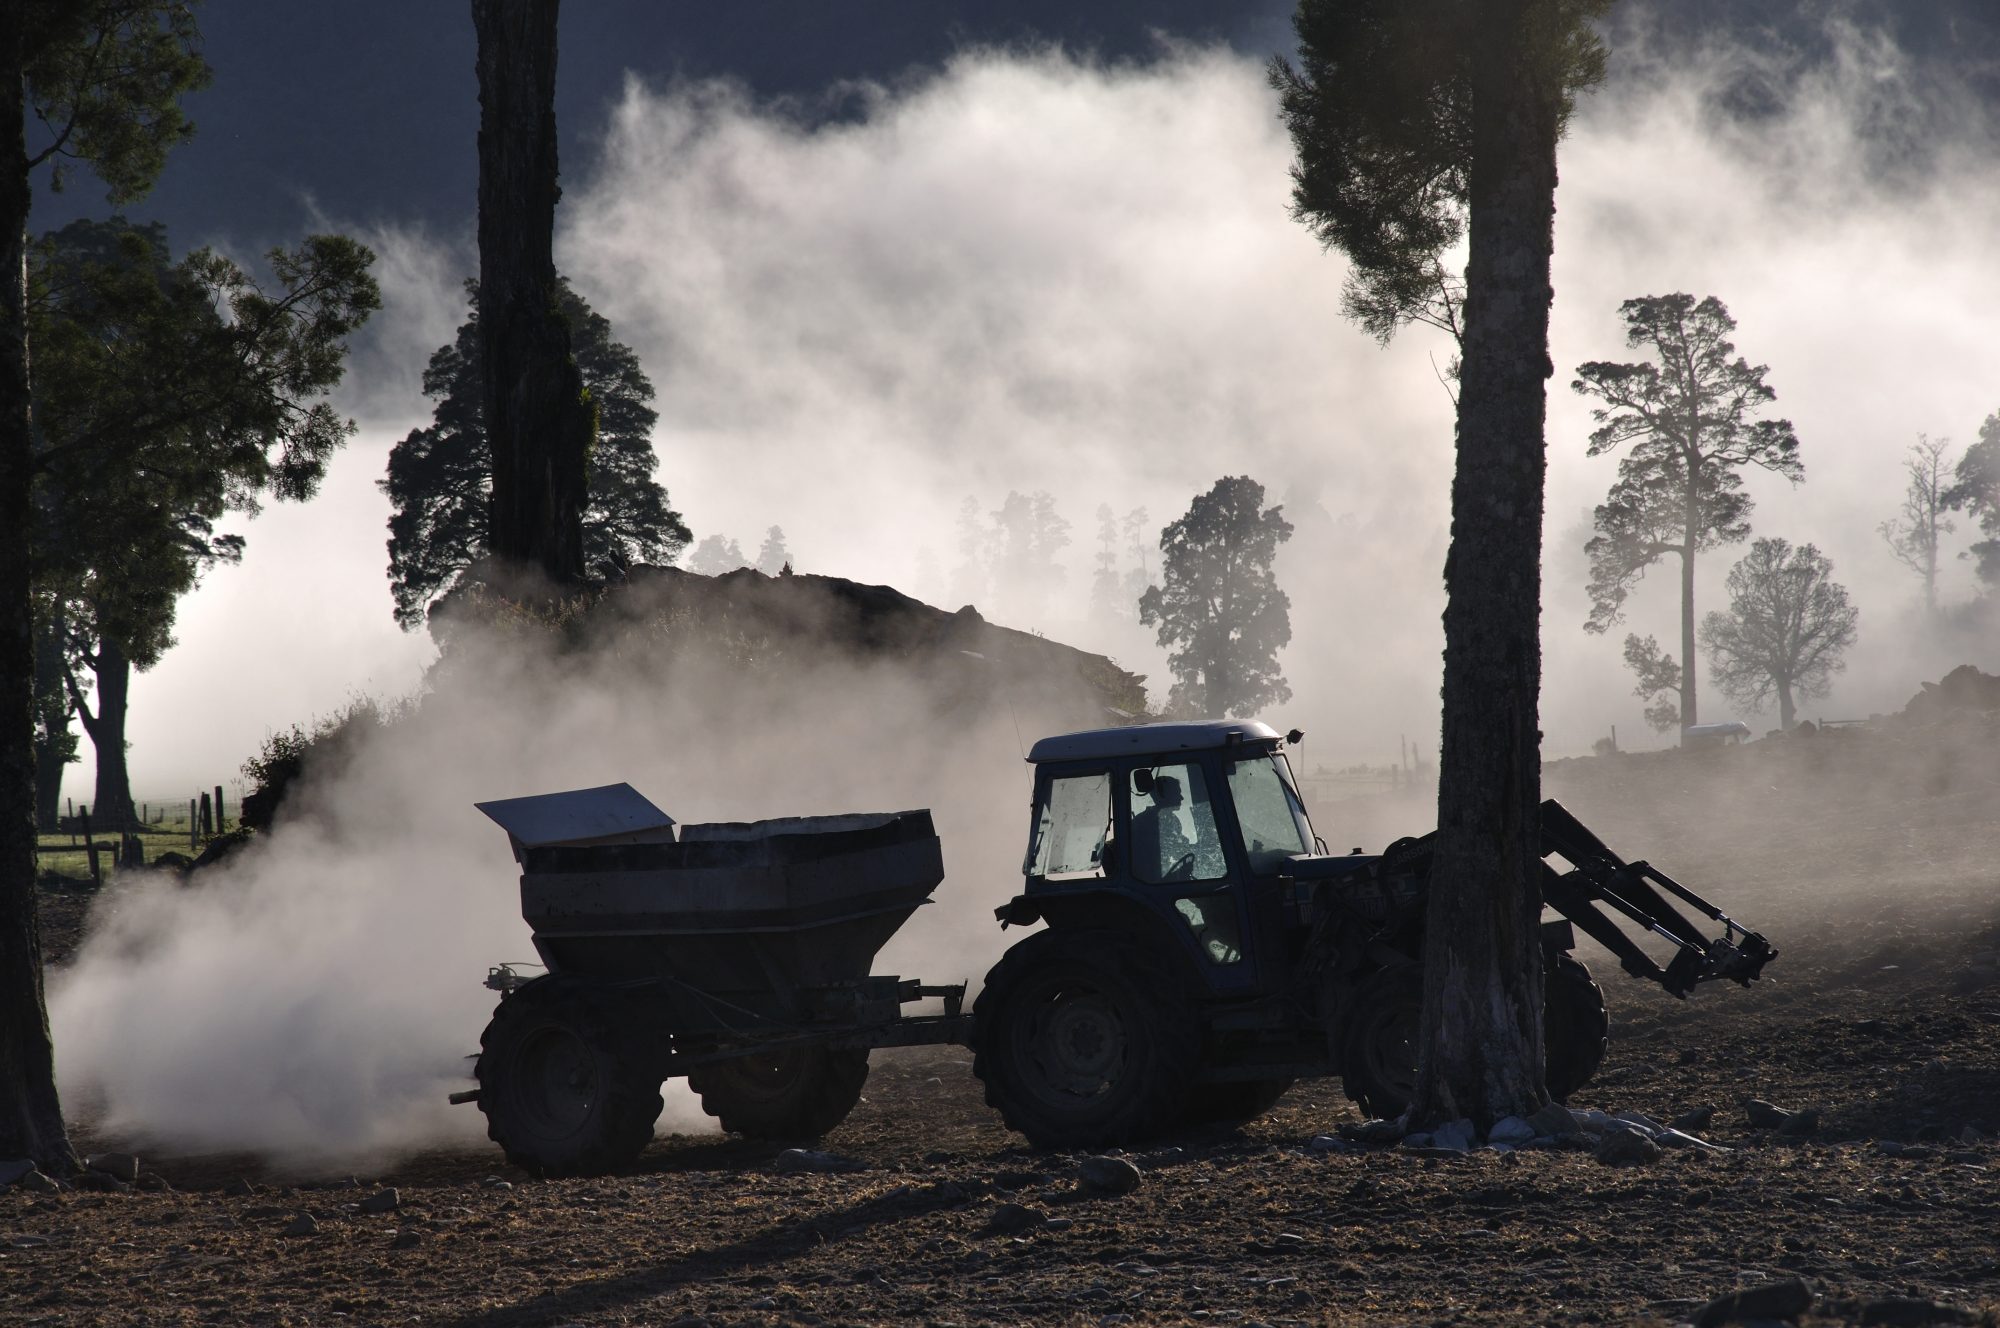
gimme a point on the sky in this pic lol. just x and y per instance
(878, 265)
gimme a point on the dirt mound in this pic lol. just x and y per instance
(1964, 688)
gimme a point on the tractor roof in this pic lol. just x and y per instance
(1151, 739)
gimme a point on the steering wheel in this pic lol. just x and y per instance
(1182, 870)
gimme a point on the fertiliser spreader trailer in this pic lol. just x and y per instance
(1202, 950)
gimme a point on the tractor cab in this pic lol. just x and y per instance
(1182, 829)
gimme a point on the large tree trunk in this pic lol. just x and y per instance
(55, 744)
(113, 808)
(1787, 713)
(1481, 1045)
(31, 1123)
(1689, 712)
(537, 419)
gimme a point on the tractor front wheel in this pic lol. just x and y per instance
(1084, 1039)
(798, 1093)
(566, 1091)
(1575, 1025)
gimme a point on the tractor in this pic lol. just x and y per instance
(1201, 952)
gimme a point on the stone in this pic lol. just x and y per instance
(1908, 1312)
(36, 1183)
(1771, 1300)
(1801, 1123)
(305, 1224)
(1671, 1138)
(1456, 1136)
(1555, 1121)
(118, 1166)
(1011, 1219)
(1642, 1121)
(407, 1240)
(1764, 1115)
(808, 1161)
(1328, 1143)
(13, 1170)
(1623, 1145)
(1511, 1130)
(382, 1201)
(1373, 1132)
(495, 1183)
(1889, 1147)
(1693, 1120)
(1591, 1121)
(1108, 1175)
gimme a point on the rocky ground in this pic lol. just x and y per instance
(1882, 1014)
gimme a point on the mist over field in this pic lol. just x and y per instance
(1031, 272)
(1027, 271)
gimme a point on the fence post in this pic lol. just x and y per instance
(219, 826)
(90, 850)
(207, 816)
(193, 826)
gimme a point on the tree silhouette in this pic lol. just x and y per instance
(715, 555)
(1916, 533)
(1976, 489)
(1688, 415)
(773, 557)
(1220, 613)
(167, 394)
(440, 479)
(1418, 123)
(104, 79)
(1787, 626)
(1107, 600)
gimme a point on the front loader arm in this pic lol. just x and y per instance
(1599, 876)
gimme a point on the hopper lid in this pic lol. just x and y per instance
(612, 814)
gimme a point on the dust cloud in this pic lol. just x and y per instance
(314, 998)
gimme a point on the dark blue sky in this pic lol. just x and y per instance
(369, 107)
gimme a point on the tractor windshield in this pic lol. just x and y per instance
(1268, 811)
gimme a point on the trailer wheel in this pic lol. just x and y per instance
(1378, 1040)
(794, 1094)
(1575, 1026)
(1084, 1039)
(566, 1089)
(1234, 1103)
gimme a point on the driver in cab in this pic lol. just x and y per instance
(1161, 848)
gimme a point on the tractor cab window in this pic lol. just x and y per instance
(1268, 811)
(1071, 827)
(1173, 826)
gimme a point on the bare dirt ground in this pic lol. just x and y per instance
(1872, 861)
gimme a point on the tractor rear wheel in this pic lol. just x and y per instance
(1084, 1039)
(1575, 1026)
(566, 1091)
(798, 1093)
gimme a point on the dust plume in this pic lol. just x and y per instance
(314, 998)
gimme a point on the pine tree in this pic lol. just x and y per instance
(1107, 599)
(1688, 416)
(1219, 610)
(440, 479)
(773, 557)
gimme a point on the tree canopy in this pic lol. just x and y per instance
(1787, 627)
(1686, 419)
(1219, 610)
(166, 395)
(1916, 533)
(440, 478)
(1975, 488)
